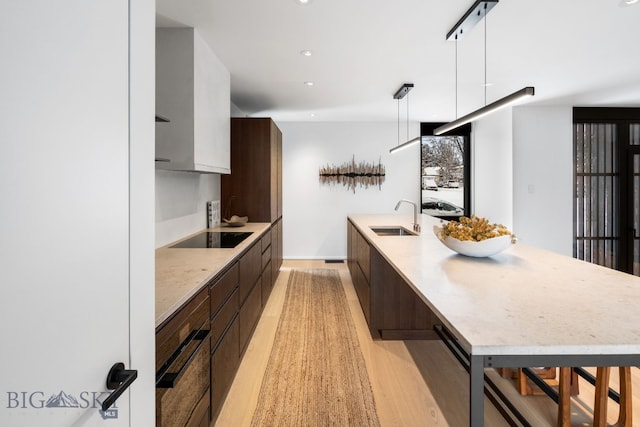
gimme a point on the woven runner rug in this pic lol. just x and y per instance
(316, 375)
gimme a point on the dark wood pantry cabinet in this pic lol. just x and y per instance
(254, 187)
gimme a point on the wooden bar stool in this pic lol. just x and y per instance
(601, 397)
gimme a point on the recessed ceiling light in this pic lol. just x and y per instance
(306, 53)
(303, 2)
(631, 1)
(308, 83)
(312, 115)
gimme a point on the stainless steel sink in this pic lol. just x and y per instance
(392, 230)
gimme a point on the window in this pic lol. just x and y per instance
(607, 183)
(445, 172)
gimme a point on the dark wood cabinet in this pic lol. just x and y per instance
(267, 270)
(396, 311)
(358, 261)
(237, 299)
(225, 343)
(206, 337)
(250, 267)
(249, 315)
(182, 365)
(391, 308)
(276, 249)
(254, 187)
(224, 364)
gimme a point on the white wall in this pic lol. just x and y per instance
(509, 148)
(491, 168)
(314, 215)
(543, 177)
(181, 203)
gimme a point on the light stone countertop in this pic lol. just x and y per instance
(182, 272)
(524, 301)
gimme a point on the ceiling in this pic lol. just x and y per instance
(575, 52)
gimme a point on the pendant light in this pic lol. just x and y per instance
(401, 93)
(472, 16)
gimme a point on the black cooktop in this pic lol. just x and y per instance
(214, 239)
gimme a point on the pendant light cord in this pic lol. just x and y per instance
(398, 121)
(485, 56)
(407, 129)
(456, 62)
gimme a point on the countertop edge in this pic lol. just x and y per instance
(203, 266)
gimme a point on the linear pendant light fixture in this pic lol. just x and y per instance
(494, 106)
(472, 16)
(401, 93)
(405, 145)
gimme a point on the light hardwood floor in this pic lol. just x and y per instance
(415, 383)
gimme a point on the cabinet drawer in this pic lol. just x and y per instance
(224, 362)
(363, 255)
(250, 267)
(266, 241)
(186, 321)
(223, 287)
(362, 290)
(249, 315)
(200, 415)
(177, 405)
(266, 258)
(267, 284)
(221, 320)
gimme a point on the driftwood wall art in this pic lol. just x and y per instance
(352, 174)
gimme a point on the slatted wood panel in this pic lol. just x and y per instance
(597, 180)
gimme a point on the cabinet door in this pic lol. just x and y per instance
(193, 92)
(350, 246)
(223, 287)
(256, 163)
(249, 315)
(267, 284)
(250, 264)
(363, 254)
(212, 110)
(276, 244)
(396, 310)
(224, 363)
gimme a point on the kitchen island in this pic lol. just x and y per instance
(523, 307)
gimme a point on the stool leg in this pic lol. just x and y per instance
(521, 381)
(625, 418)
(575, 387)
(601, 397)
(564, 397)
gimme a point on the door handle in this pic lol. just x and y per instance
(118, 380)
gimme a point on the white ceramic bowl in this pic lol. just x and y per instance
(484, 248)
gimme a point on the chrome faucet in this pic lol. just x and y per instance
(416, 226)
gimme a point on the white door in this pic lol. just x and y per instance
(64, 229)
